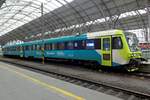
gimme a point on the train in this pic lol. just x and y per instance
(110, 49)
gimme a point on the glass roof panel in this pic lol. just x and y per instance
(19, 12)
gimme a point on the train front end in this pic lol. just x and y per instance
(134, 55)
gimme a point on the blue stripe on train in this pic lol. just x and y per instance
(74, 54)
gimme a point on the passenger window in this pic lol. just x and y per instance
(69, 45)
(26, 47)
(61, 46)
(79, 45)
(106, 44)
(48, 46)
(97, 43)
(33, 47)
(54, 46)
(116, 43)
(37, 47)
(93, 44)
(90, 44)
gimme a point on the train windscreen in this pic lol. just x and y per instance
(132, 41)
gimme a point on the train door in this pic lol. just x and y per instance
(106, 51)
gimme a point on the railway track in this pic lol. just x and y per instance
(119, 92)
(142, 74)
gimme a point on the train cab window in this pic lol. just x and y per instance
(106, 44)
(116, 43)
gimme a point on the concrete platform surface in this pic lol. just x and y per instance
(146, 62)
(21, 84)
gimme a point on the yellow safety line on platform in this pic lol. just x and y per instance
(64, 92)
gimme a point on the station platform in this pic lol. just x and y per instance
(21, 84)
(148, 62)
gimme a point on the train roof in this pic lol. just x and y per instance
(84, 36)
(73, 37)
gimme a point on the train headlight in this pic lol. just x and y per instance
(133, 55)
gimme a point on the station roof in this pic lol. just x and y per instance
(23, 19)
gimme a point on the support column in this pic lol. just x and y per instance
(148, 34)
(148, 28)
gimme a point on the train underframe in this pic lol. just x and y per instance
(133, 65)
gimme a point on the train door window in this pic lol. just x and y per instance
(106, 44)
(97, 43)
(117, 43)
(90, 44)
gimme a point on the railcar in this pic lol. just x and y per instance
(113, 49)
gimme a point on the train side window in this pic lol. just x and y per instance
(79, 45)
(69, 45)
(90, 44)
(30, 47)
(97, 43)
(93, 44)
(54, 46)
(41, 46)
(48, 47)
(61, 46)
(83, 45)
(116, 43)
(27, 47)
(45, 46)
(75, 45)
(37, 47)
(34, 48)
